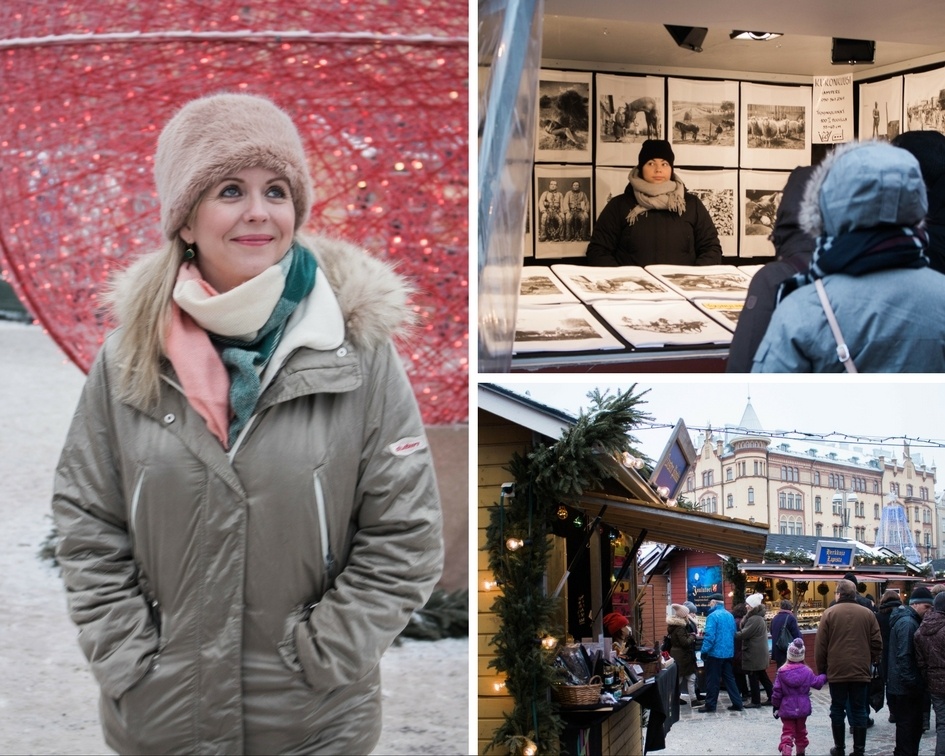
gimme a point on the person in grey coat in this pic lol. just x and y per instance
(865, 205)
(246, 503)
(753, 636)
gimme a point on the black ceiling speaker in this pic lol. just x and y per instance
(852, 51)
(688, 37)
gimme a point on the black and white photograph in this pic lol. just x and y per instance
(560, 328)
(608, 183)
(626, 282)
(881, 109)
(540, 286)
(703, 122)
(657, 324)
(693, 281)
(563, 210)
(629, 111)
(775, 128)
(924, 95)
(564, 117)
(759, 199)
(717, 190)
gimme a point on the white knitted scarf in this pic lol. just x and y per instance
(238, 313)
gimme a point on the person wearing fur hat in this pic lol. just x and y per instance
(682, 645)
(929, 642)
(246, 502)
(865, 205)
(753, 636)
(928, 147)
(791, 698)
(906, 687)
(655, 220)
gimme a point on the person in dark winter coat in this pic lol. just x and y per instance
(848, 643)
(753, 637)
(784, 617)
(865, 205)
(655, 220)
(889, 602)
(906, 687)
(791, 698)
(928, 147)
(682, 648)
(793, 248)
(929, 643)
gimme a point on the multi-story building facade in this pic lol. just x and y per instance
(807, 488)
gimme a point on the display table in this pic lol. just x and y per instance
(582, 725)
(665, 360)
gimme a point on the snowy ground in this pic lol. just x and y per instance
(48, 699)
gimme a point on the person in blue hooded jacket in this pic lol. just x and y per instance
(718, 648)
(865, 205)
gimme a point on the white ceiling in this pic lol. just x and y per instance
(619, 35)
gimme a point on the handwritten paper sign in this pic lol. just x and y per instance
(833, 109)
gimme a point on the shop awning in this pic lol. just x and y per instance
(633, 507)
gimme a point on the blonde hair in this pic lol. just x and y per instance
(139, 300)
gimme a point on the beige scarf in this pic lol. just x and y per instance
(669, 195)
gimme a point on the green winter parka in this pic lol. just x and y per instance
(240, 601)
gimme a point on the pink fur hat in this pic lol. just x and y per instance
(212, 137)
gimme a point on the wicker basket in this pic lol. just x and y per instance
(651, 668)
(578, 695)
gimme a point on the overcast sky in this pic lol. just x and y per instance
(875, 409)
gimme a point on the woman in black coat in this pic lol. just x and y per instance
(784, 617)
(655, 220)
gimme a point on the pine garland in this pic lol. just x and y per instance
(546, 477)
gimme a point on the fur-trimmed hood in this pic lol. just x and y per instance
(673, 620)
(862, 185)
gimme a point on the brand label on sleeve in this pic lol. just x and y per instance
(408, 445)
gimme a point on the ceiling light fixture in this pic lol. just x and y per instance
(688, 37)
(757, 36)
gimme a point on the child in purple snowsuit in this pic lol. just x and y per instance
(791, 698)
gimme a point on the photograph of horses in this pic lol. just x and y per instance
(703, 122)
(630, 110)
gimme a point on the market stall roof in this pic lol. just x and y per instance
(862, 577)
(633, 507)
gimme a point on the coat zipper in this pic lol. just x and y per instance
(327, 555)
(135, 498)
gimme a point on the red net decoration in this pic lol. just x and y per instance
(378, 90)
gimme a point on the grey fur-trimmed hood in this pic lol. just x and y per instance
(862, 185)
(374, 298)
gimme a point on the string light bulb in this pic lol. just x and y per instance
(663, 491)
(529, 748)
(514, 544)
(549, 642)
(632, 462)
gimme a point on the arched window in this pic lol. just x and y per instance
(731, 501)
(751, 495)
(876, 511)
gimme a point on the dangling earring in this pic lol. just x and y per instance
(189, 253)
